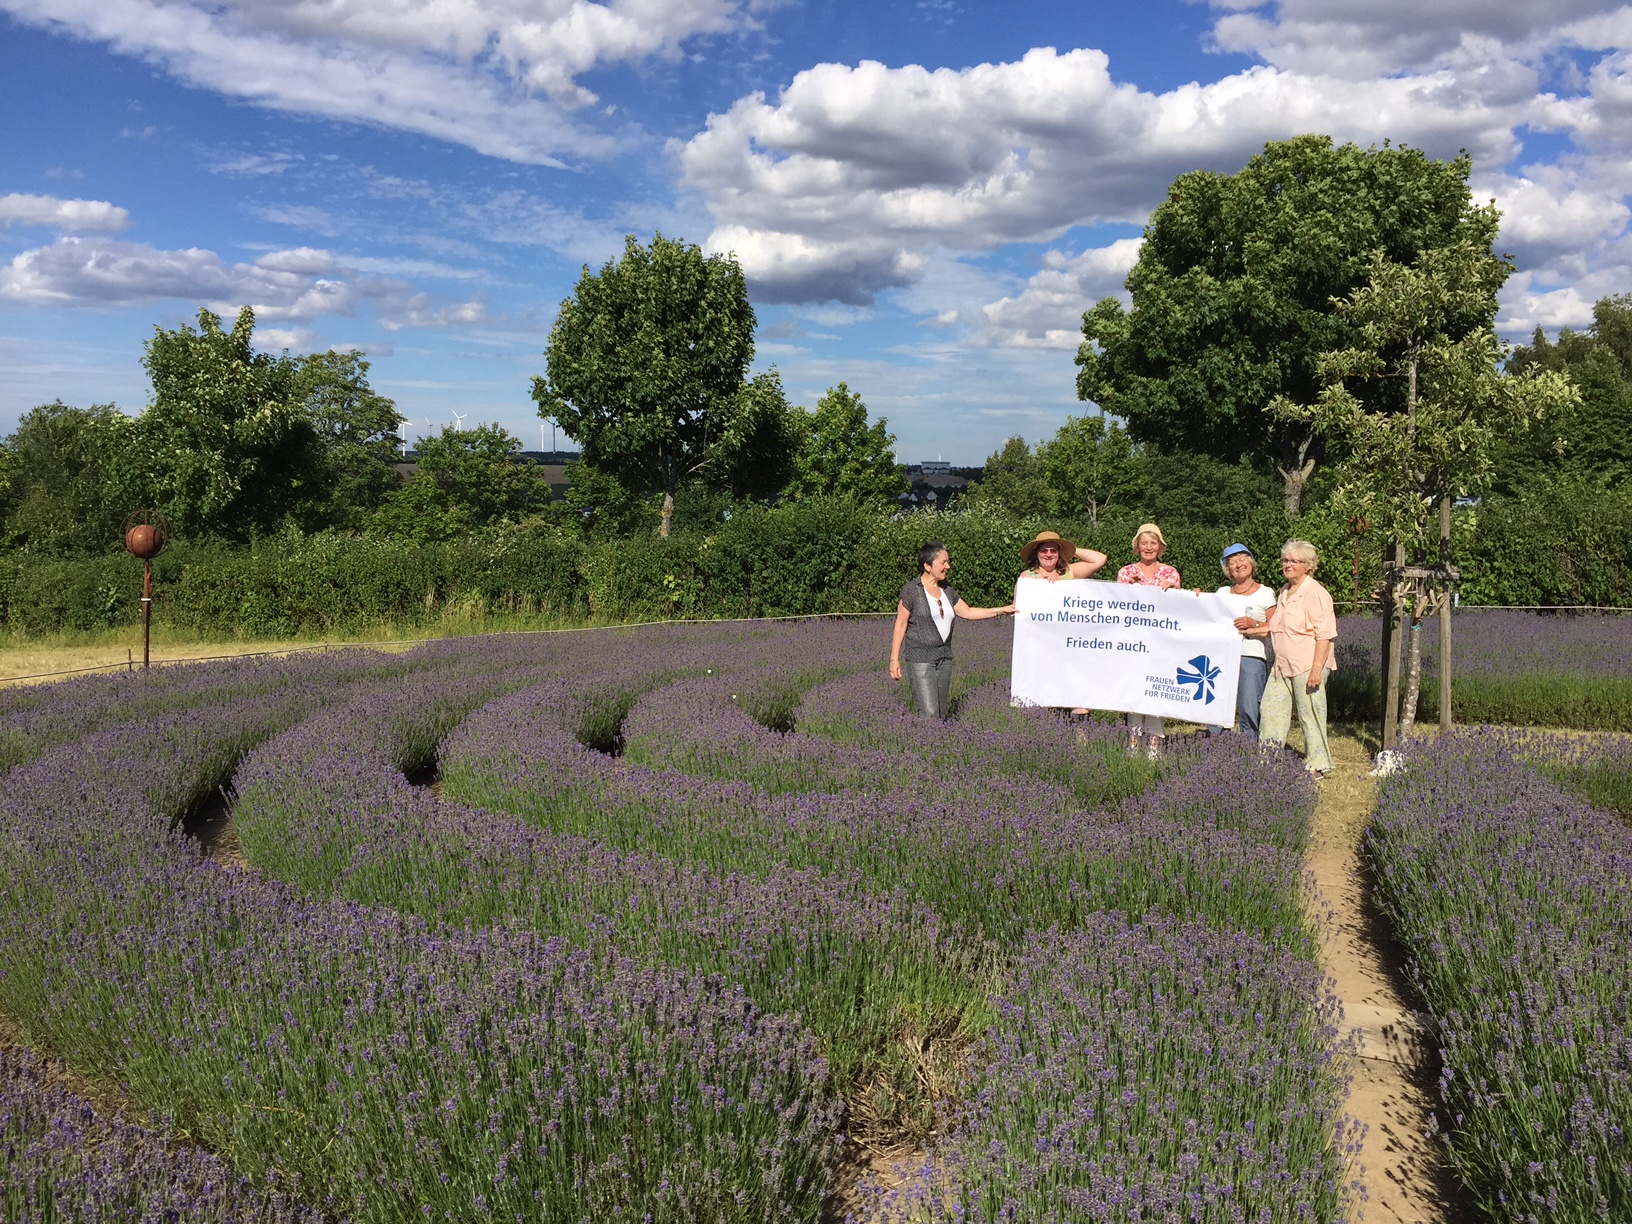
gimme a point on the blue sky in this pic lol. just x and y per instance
(925, 194)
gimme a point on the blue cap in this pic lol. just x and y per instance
(1234, 550)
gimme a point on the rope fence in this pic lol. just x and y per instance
(130, 663)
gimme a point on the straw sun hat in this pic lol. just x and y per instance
(1068, 550)
(1152, 530)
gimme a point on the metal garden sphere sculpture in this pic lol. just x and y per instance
(146, 534)
(145, 541)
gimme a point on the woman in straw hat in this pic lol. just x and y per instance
(1148, 545)
(1050, 557)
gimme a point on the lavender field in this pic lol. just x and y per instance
(1512, 893)
(1507, 667)
(674, 923)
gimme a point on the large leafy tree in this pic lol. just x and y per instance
(225, 448)
(839, 452)
(356, 430)
(647, 368)
(1233, 295)
(466, 479)
(1593, 439)
(1092, 466)
(1012, 480)
(58, 471)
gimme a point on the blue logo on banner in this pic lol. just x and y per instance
(1203, 677)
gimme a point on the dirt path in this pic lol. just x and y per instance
(1405, 1177)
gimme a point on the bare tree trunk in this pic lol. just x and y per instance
(1445, 617)
(1295, 472)
(1413, 668)
(1394, 558)
(667, 520)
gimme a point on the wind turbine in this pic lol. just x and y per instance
(402, 432)
(459, 420)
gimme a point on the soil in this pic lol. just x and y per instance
(108, 1100)
(1402, 1172)
(210, 824)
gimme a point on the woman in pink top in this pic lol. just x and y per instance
(1302, 631)
(1148, 544)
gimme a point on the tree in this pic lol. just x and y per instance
(1185, 487)
(58, 472)
(647, 369)
(1594, 438)
(1403, 466)
(467, 479)
(356, 428)
(754, 455)
(1232, 295)
(1091, 465)
(224, 448)
(1012, 480)
(837, 451)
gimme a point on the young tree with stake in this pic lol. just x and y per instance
(1404, 467)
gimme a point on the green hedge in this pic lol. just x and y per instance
(822, 555)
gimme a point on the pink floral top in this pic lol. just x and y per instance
(1165, 575)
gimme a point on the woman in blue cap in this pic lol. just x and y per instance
(1241, 568)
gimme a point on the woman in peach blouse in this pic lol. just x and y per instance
(1302, 631)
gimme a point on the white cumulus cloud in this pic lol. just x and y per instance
(293, 286)
(499, 76)
(1358, 39)
(841, 186)
(1047, 313)
(64, 216)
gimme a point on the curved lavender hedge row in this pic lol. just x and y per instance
(1600, 769)
(1221, 839)
(854, 734)
(384, 1070)
(1149, 1071)
(36, 718)
(1515, 900)
(862, 969)
(62, 1159)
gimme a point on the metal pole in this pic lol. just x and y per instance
(147, 609)
(1445, 616)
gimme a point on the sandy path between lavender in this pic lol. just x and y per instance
(1405, 1176)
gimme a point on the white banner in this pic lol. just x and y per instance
(1114, 646)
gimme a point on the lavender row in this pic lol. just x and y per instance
(1148, 1071)
(379, 1069)
(1514, 899)
(63, 1159)
(1599, 769)
(1500, 643)
(853, 734)
(1220, 837)
(34, 718)
(339, 820)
